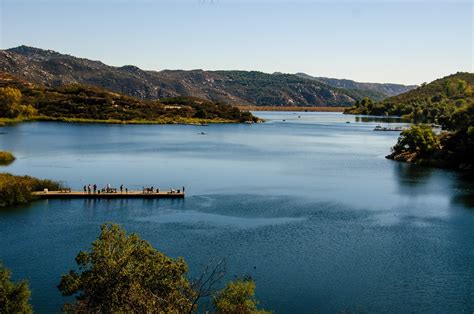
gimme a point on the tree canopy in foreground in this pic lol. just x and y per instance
(124, 273)
(237, 298)
(14, 297)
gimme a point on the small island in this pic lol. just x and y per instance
(6, 158)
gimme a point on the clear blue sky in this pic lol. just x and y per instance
(376, 41)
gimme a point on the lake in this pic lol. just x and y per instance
(308, 207)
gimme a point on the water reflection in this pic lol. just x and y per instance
(411, 179)
(311, 202)
(415, 180)
(366, 119)
(464, 191)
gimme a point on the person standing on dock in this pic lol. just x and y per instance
(95, 188)
(183, 188)
(89, 189)
(121, 188)
(85, 189)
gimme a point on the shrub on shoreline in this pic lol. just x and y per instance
(16, 190)
(6, 158)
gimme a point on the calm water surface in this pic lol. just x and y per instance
(309, 207)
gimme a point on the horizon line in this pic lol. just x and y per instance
(230, 70)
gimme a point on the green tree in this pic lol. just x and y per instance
(238, 297)
(9, 101)
(14, 298)
(123, 273)
(419, 138)
(463, 118)
(10, 104)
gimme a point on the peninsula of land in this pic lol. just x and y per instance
(447, 102)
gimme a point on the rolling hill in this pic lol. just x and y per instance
(22, 101)
(448, 101)
(434, 102)
(51, 68)
(380, 90)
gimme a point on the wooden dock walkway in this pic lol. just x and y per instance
(129, 194)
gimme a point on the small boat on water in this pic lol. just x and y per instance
(202, 133)
(395, 129)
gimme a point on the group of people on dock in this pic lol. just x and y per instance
(92, 189)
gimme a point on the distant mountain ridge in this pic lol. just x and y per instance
(387, 89)
(51, 68)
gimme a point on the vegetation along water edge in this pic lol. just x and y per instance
(447, 102)
(24, 101)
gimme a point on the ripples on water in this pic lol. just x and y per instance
(308, 207)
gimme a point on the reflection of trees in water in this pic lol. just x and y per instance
(411, 176)
(464, 191)
(413, 180)
(381, 119)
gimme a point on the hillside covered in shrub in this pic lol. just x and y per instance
(435, 102)
(22, 100)
(447, 101)
(51, 68)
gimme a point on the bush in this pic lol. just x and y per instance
(9, 101)
(16, 190)
(123, 273)
(14, 298)
(6, 158)
(237, 297)
(419, 138)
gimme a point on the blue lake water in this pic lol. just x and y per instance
(308, 207)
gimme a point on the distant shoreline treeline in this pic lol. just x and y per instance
(292, 108)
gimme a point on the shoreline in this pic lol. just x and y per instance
(184, 121)
(292, 108)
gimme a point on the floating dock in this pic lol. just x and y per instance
(117, 195)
